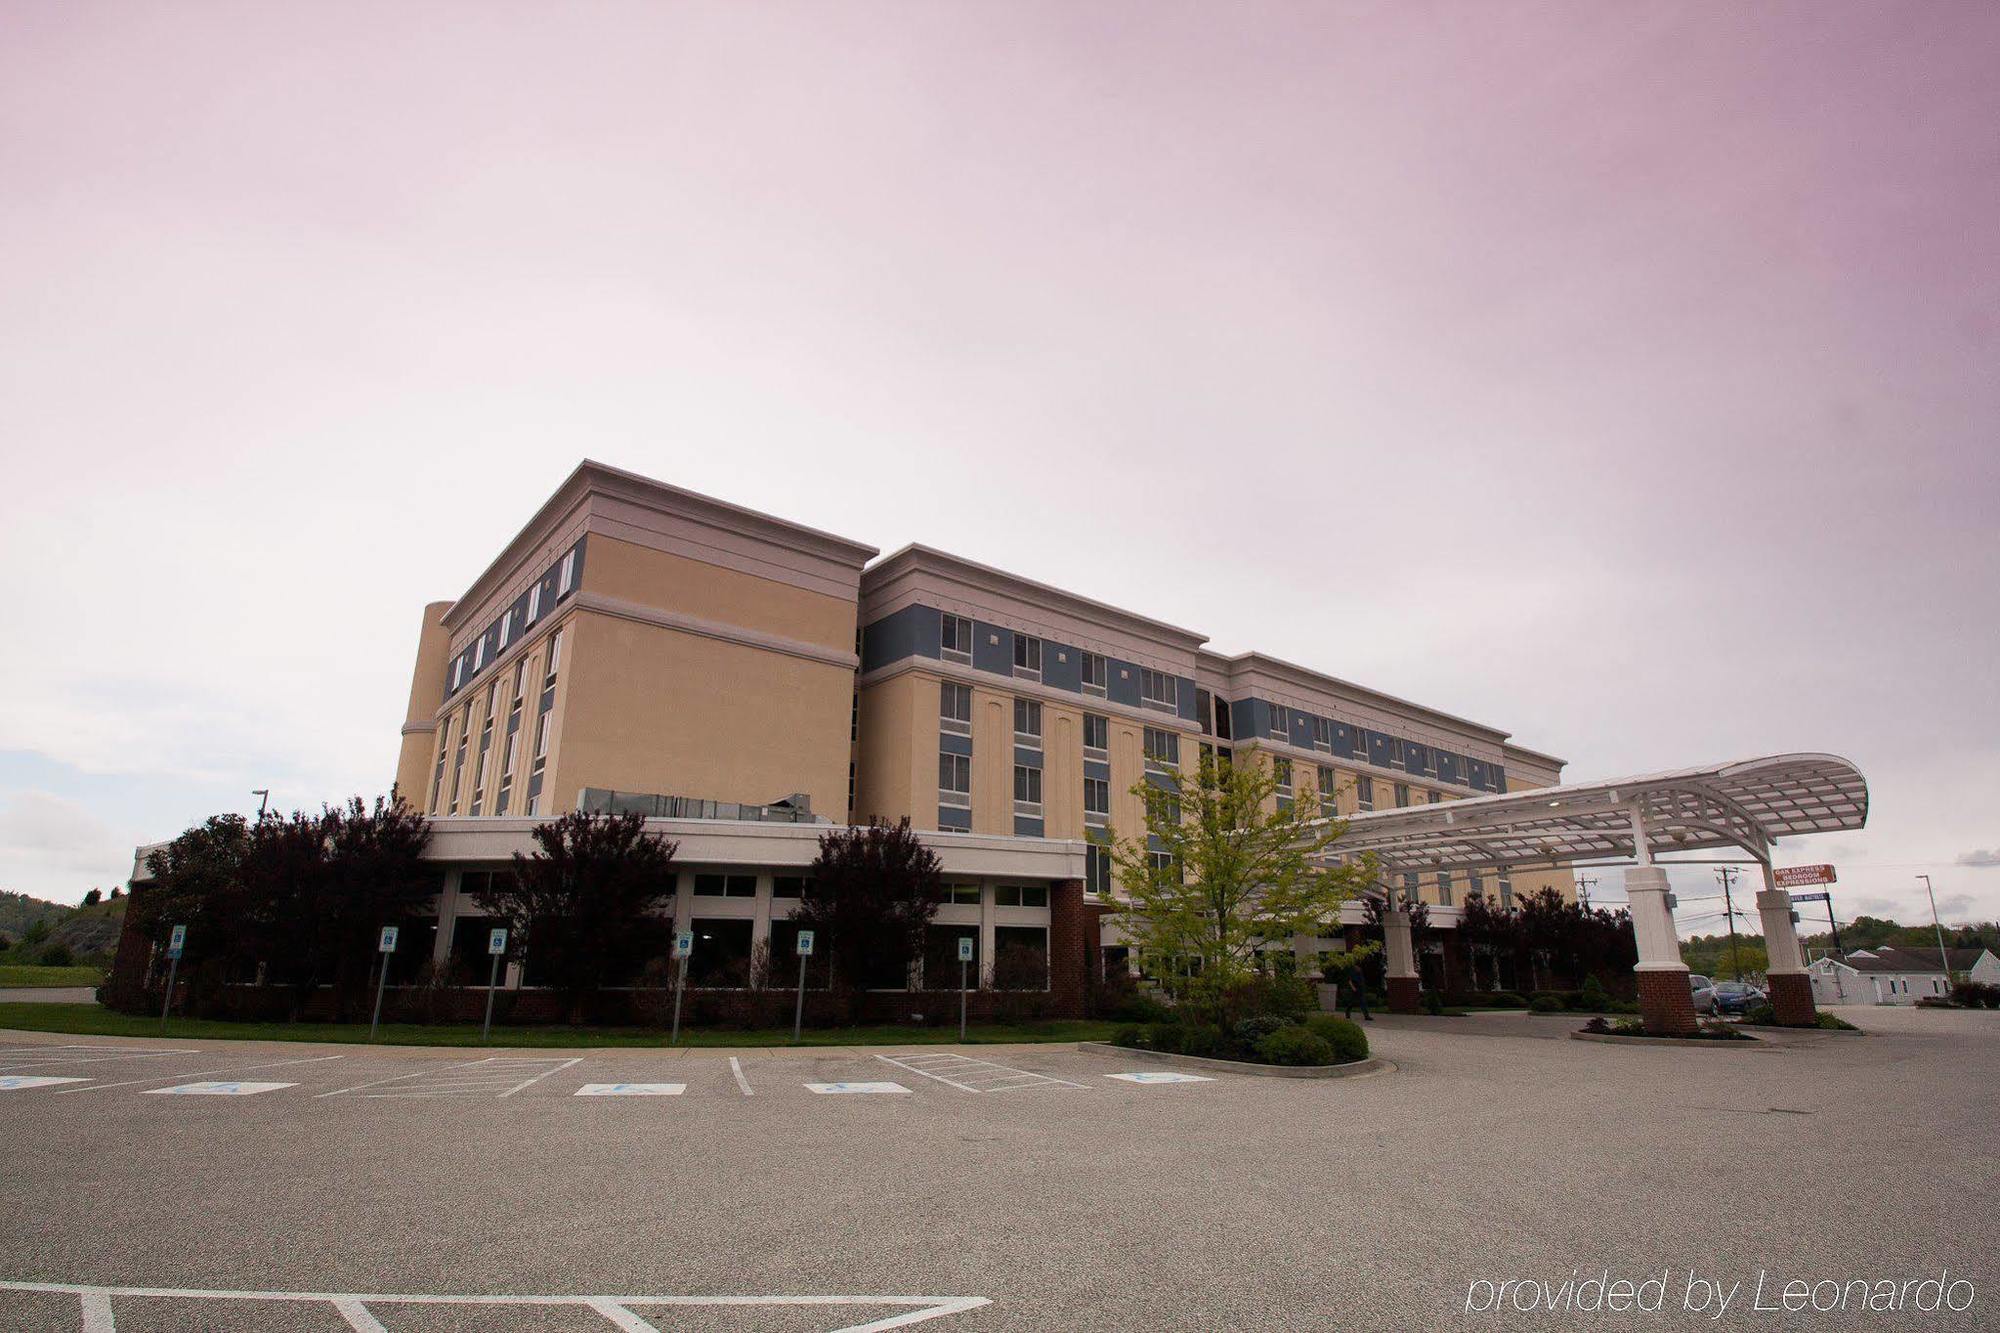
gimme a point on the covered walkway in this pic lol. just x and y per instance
(1747, 805)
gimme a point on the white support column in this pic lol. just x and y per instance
(447, 918)
(986, 936)
(1398, 955)
(684, 900)
(1665, 1003)
(1781, 937)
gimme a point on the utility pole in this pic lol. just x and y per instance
(1728, 877)
(1944, 960)
(264, 800)
(1584, 884)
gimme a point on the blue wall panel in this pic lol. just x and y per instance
(952, 817)
(992, 648)
(1062, 666)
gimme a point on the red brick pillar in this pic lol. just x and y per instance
(1068, 920)
(1405, 995)
(1665, 1001)
(1792, 999)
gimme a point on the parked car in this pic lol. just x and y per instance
(1727, 997)
(1696, 981)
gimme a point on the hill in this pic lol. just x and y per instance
(19, 912)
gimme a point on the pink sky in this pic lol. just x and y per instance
(1622, 375)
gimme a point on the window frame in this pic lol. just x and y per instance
(949, 624)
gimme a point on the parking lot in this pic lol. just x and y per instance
(185, 1185)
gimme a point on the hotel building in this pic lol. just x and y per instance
(745, 681)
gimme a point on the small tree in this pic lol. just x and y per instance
(585, 905)
(196, 883)
(93, 897)
(1227, 867)
(871, 893)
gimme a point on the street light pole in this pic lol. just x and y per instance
(1944, 962)
(264, 800)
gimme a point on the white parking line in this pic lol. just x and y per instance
(353, 1306)
(736, 1068)
(839, 1088)
(574, 1060)
(972, 1072)
(630, 1090)
(197, 1073)
(398, 1078)
(91, 1055)
(1160, 1076)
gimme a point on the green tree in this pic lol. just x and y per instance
(93, 897)
(585, 905)
(871, 893)
(196, 882)
(1227, 867)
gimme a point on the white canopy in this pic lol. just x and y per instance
(1748, 804)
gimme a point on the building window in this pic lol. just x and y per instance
(1327, 805)
(725, 886)
(1323, 734)
(1020, 895)
(1164, 863)
(1163, 749)
(1097, 734)
(555, 656)
(1095, 676)
(1410, 894)
(964, 895)
(444, 753)
(566, 576)
(1097, 871)
(1364, 793)
(955, 638)
(458, 757)
(1475, 884)
(955, 780)
(1444, 888)
(506, 627)
(1281, 724)
(479, 655)
(1027, 657)
(1402, 795)
(788, 886)
(1506, 892)
(485, 748)
(1281, 770)
(1027, 789)
(534, 603)
(1096, 797)
(955, 708)
(1433, 797)
(1159, 690)
(1361, 743)
(1028, 721)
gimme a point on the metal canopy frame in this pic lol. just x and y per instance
(1749, 804)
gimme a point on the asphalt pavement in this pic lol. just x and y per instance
(203, 1185)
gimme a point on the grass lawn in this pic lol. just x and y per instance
(22, 974)
(94, 1020)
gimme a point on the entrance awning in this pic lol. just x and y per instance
(1748, 804)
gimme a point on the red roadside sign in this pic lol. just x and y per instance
(1793, 877)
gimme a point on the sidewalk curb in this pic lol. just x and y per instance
(1373, 1064)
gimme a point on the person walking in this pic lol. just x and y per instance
(1355, 987)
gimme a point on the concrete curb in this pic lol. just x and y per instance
(1372, 1064)
(1748, 1044)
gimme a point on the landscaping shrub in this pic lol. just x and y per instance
(1129, 1035)
(1294, 1045)
(1592, 995)
(1834, 1023)
(1546, 1003)
(1349, 1042)
(1598, 1025)
(1283, 997)
(1761, 1014)
(1630, 1027)
(1975, 995)
(1250, 1031)
(1499, 999)
(1432, 1002)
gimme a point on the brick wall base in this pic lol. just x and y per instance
(1404, 995)
(1666, 1005)
(1792, 998)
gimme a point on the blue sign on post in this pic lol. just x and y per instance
(177, 941)
(496, 941)
(683, 943)
(965, 948)
(805, 944)
(388, 944)
(1809, 897)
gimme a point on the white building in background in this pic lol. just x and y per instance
(1897, 976)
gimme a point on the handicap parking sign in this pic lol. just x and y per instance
(683, 943)
(388, 944)
(177, 941)
(805, 944)
(965, 948)
(496, 941)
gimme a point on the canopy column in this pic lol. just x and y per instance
(1400, 957)
(1791, 987)
(1666, 1005)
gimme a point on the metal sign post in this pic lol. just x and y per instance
(176, 942)
(799, 1010)
(683, 946)
(386, 947)
(496, 945)
(964, 964)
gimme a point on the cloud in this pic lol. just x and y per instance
(1983, 858)
(49, 843)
